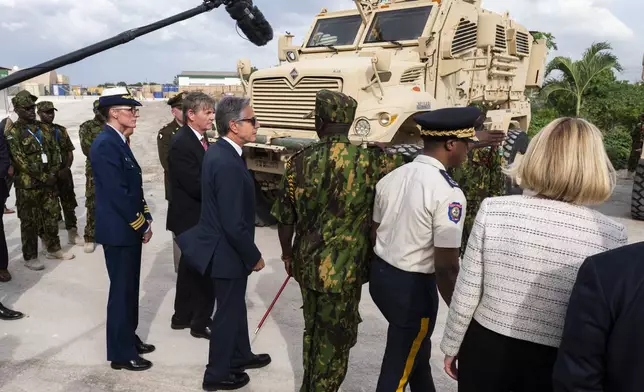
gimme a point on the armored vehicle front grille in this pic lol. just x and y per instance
(523, 43)
(411, 75)
(501, 41)
(465, 37)
(279, 104)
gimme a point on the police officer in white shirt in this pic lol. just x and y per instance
(417, 227)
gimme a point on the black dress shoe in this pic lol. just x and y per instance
(178, 324)
(8, 314)
(143, 348)
(135, 365)
(256, 362)
(234, 381)
(201, 333)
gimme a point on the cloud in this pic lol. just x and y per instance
(38, 30)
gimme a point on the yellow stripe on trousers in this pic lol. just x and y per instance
(424, 326)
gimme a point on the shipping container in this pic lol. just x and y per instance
(158, 94)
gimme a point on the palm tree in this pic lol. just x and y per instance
(578, 74)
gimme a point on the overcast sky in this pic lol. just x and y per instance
(33, 31)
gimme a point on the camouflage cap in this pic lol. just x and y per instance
(176, 101)
(45, 106)
(334, 107)
(24, 99)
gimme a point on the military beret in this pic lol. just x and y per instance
(45, 106)
(334, 107)
(117, 100)
(176, 101)
(457, 123)
(24, 99)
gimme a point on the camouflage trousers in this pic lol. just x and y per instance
(89, 206)
(67, 198)
(330, 331)
(37, 211)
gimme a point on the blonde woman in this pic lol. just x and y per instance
(507, 313)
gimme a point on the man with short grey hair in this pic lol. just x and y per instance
(194, 302)
(222, 245)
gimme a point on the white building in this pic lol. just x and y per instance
(205, 78)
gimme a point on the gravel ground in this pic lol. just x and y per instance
(60, 346)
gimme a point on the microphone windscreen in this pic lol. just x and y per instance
(251, 21)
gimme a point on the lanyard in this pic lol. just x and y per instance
(57, 137)
(38, 138)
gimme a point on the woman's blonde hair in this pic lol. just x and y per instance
(567, 161)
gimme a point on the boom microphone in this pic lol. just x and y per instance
(251, 21)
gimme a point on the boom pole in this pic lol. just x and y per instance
(120, 39)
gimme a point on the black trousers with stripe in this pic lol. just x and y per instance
(409, 302)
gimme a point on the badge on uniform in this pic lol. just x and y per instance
(455, 212)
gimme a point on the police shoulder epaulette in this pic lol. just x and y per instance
(450, 180)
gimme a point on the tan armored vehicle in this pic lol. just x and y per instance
(396, 59)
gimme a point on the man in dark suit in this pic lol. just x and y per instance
(602, 347)
(194, 299)
(123, 223)
(222, 244)
(5, 162)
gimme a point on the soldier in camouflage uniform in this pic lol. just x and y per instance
(636, 150)
(88, 132)
(326, 199)
(66, 192)
(37, 162)
(480, 176)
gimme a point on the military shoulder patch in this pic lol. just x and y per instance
(450, 180)
(455, 212)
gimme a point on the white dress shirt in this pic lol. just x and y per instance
(235, 145)
(197, 134)
(418, 207)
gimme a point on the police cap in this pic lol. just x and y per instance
(117, 100)
(450, 123)
(45, 106)
(334, 107)
(24, 99)
(176, 101)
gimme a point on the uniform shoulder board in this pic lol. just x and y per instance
(450, 180)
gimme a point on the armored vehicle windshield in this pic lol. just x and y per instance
(335, 31)
(398, 25)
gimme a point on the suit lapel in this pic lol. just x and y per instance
(194, 142)
(126, 149)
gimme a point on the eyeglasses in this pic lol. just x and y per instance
(132, 110)
(252, 120)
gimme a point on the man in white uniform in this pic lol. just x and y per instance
(417, 228)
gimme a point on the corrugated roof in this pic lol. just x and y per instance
(210, 74)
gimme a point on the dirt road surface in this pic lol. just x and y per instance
(60, 346)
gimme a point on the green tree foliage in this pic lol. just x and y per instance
(551, 43)
(577, 75)
(589, 88)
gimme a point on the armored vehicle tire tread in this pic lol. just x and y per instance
(637, 203)
(409, 150)
(515, 143)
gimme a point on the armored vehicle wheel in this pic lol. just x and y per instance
(637, 203)
(516, 144)
(265, 194)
